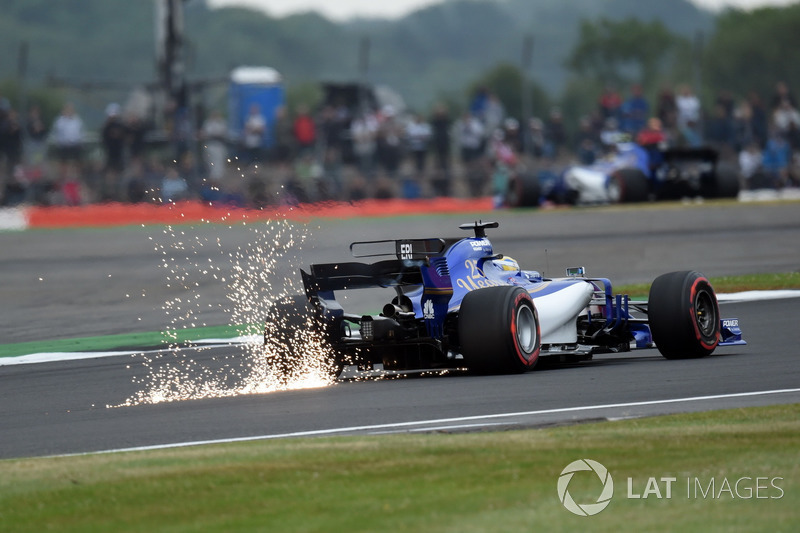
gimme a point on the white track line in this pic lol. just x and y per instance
(439, 422)
(755, 296)
(77, 356)
(446, 427)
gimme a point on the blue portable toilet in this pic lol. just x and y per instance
(249, 85)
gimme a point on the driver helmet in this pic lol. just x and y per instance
(507, 264)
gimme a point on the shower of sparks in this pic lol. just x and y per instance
(284, 350)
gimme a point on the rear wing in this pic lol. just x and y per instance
(412, 255)
(430, 273)
(403, 248)
(343, 276)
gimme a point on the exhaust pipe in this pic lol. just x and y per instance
(396, 312)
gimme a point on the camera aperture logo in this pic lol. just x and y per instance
(585, 509)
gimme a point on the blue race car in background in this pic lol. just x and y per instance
(631, 173)
(460, 304)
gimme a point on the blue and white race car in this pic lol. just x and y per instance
(459, 304)
(631, 173)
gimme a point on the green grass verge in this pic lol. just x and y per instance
(124, 341)
(160, 339)
(501, 481)
(729, 284)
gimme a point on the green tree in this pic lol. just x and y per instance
(505, 80)
(579, 100)
(751, 51)
(625, 51)
(308, 94)
(49, 101)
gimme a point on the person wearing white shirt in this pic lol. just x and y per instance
(418, 135)
(67, 134)
(255, 129)
(688, 106)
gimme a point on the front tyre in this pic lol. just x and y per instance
(498, 329)
(684, 315)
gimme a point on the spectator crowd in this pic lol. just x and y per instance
(346, 153)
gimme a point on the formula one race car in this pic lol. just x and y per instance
(632, 173)
(458, 304)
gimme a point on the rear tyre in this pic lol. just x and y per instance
(727, 183)
(498, 329)
(523, 190)
(684, 315)
(292, 320)
(628, 185)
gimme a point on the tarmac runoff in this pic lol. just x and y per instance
(50, 357)
(519, 419)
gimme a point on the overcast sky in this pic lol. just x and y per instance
(344, 9)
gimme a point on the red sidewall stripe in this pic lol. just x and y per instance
(527, 361)
(698, 334)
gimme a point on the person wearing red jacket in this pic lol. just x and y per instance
(305, 131)
(652, 134)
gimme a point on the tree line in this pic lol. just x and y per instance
(440, 53)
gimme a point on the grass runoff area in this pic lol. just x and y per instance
(141, 341)
(733, 470)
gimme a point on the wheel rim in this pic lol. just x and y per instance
(614, 191)
(705, 313)
(526, 329)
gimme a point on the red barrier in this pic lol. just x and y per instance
(117, 214)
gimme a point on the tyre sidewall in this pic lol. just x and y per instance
(488, 330)
(674, 323)
(708, 341)
(525, 359)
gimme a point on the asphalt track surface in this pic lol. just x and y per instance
(60, 408)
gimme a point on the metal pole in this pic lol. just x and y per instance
(363, 70)
(698, 75)
(527, 59)
(22, 75)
